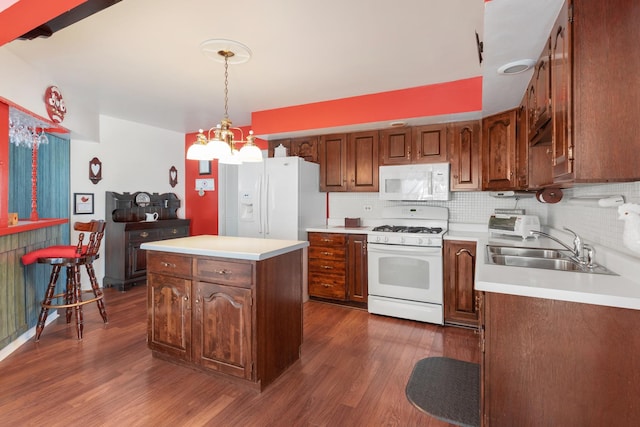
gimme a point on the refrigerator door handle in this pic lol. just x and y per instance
(260, 222)
(266, 206)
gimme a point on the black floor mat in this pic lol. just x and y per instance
(447, 389)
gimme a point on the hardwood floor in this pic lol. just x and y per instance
(352, 372)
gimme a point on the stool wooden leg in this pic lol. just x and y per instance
(69, 293)
(44, 311)
(96, 291)
(77, 299)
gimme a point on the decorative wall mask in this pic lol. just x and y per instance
(95, 170)
(173, 176)
(56, 108)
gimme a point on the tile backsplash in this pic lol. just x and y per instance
(577, 210)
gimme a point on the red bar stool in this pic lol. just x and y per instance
(71, 257)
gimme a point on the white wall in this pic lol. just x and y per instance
(134, 157)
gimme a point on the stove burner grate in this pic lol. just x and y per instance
(407, 229)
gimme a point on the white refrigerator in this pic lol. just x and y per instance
(278, 198)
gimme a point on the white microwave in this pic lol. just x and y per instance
(429, 181)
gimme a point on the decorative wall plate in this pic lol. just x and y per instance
(143, 199)
(95, 170)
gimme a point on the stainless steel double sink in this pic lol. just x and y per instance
(548, 259)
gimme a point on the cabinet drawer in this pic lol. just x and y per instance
(143, 235)
(327, 239)
(327, 252)
(321, 266)
(225, 272)
(173, 232)
(174, 265)
(327, 286)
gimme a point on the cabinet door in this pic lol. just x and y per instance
(429, 144)
(395, 146)
(561, 97)
(333, 162)
(499, 151)
(362, 161)
(539, 99)
(169, 315)
(222, 329)
(306, 147)
(465, 156)
(459, 288)
(357, 280)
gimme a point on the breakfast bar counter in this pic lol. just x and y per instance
(228, 306)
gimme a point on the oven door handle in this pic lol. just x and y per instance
(404, 250)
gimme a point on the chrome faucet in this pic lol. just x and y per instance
(578, 249)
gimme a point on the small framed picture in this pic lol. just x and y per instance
(205, 167)
(82, 203)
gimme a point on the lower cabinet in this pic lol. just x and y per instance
(125, 262)
(226, 316)
(338, 267)
(459, 283)
(549, 362)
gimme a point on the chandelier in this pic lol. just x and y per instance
(222, 145)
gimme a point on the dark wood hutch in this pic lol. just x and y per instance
(127, 229)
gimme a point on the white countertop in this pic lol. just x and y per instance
(227, 247)
(621, 291)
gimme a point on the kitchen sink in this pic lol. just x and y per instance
(548, 259)
(524, 252)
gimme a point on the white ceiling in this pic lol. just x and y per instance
(140, 60)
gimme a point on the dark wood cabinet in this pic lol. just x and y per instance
(332, 150)
(395, 146)
(459, 283)
(538, 100)
(595, 94)
(499, 151)
(362, 161)
(429, 144)
(464, 153)
(338, 267)
(349, 162)
(357, 268)
(305, 147)
(125, 262)
(556, 362)
(225, 316)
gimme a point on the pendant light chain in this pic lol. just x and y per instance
(226, 86)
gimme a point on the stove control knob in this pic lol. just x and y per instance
(419, 240)
(378, 239)
(402, 240)
(386, 239)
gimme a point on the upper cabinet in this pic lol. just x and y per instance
(429, 144)
(349, 162)
(305, 147)
(595, 92)
(538, 99)
(499, 156)
(332, 151)
(464, 154)
(395, 146)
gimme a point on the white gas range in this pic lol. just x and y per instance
(405, 263)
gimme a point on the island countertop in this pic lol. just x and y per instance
(246, 248)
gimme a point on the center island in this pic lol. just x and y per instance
(230, 306)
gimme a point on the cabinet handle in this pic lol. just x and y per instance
(326, 285)
(327, 267)
(462, 251)
(326, 240)
(168, 264)
(174, 231)
(186, 297)
(222, 272)
(144, 234)
(326, 253)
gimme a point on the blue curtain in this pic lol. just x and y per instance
(53, 180)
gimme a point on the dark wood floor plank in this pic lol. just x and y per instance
(353, 370)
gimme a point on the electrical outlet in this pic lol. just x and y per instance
(367, 208)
